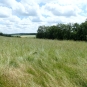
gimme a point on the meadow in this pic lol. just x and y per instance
(25, 36)
(31, 62)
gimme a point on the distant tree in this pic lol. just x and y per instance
(82, 32)
(64, 31)
(40, 32)
(52, 31)
(1, 33)
(75, 28)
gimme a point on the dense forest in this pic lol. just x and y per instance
(70, 31)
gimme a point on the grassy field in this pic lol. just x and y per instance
(27, 62)
(24, 36)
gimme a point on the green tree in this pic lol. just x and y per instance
(40, 32)
(1, 33)
(64, 31)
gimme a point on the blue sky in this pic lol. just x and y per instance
(18, 0)
(24, 16)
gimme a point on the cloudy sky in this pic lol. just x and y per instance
(24, 16)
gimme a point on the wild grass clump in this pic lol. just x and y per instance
(27, 62)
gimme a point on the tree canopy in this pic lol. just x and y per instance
(70, 31)
(1, 33)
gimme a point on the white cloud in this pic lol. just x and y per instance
(5, 12)
(14, 19)
(27, 15)
(59, 10)
(24, 10)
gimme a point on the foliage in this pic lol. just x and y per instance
(64, 31)
(1, 33)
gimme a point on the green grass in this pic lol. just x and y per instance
(29, 62)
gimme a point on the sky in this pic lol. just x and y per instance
(25, 16)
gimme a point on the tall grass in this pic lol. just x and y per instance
(31, 62)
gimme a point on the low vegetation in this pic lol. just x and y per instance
(31, 62)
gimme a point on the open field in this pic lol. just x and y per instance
(27, 62)
(30, 36)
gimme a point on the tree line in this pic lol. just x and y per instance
(70, 31)
(16, 34)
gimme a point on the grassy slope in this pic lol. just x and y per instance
(28, 62)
